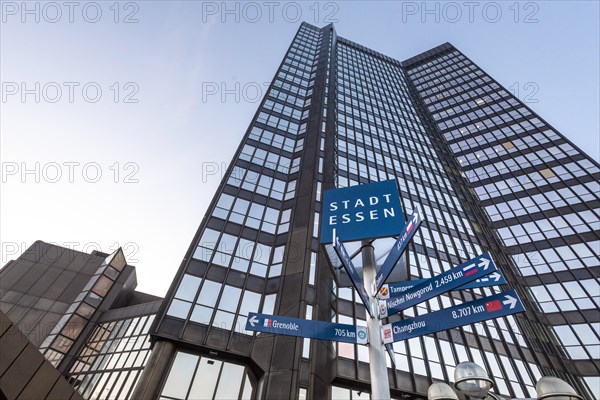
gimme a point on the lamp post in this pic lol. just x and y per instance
(441, 391)
(551, 388)
(474, 382)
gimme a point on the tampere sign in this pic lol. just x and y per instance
(362, 212)
(495, 306)
(306, 328)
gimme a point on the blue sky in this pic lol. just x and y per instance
(189, 76)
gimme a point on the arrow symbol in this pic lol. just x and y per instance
(495, 276)
(416, 216)
(253, 320)
(510, 301)
(485, 263)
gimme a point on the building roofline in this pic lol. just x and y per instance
(431, 53)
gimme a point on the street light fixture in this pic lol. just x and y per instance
(472, 380)
(441, 391)
(551, 388)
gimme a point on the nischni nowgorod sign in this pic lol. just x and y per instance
(362, 212)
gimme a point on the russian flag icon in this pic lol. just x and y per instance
(470, 269)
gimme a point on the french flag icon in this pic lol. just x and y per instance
(268, 323)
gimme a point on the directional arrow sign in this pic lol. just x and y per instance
(306, 328)
(433, 287)
(405, 236)
(495, 306)
(396, 289)
(352, 273)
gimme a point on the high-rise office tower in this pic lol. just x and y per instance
(489, 174)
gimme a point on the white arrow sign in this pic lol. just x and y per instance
(253, 320)
(494, 276)
(485, 263)
(510, 301)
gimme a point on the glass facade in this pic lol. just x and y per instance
(83, 310)
(110, 363)
(489, 174)
(539, 194)
(381, 135)
(247, 230)
(193, 377)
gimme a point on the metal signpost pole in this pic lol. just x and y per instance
(380, 386)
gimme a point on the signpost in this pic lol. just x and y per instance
(352, 273)
(380, 385)
(405, 236)
(498, 305)
(372, 211)
(395, 289)
(361, 213)
(306, 328)
(442, 283)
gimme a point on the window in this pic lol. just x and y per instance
(193, 377)
(111, 361)
(567, 296)
(580, 340)
(339, 393)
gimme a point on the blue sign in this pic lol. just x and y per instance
(495, 306)
(396, 289)
(306, 328)
(362, 212)
(433, 287)
(352, 273)
(406, 235)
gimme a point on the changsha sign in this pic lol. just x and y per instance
(360, 212)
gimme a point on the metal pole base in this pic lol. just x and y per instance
(380, 385)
